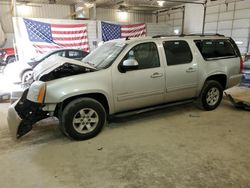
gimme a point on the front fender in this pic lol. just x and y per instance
(96, 82)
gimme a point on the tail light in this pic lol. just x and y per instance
(241, 64)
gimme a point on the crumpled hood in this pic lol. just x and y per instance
(53, 63)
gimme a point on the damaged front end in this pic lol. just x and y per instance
(59, 67)
(23, 114)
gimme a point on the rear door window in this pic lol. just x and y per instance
(215, 49)
(177, 52)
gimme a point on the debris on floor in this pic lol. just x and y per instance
(239, 97)
(194, 115)
(99, 149)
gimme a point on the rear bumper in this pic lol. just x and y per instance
(234, 80)
(14, 121)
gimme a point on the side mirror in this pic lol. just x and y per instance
(129, 64)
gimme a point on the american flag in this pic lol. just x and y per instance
(115, 31)
(49, 36)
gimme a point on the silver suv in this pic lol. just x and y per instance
(124, 77)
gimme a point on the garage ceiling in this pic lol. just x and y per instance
(121, 4)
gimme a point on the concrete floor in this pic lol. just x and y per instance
(178, 147)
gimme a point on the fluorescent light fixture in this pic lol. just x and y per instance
(239, 42)
(176, 31)
(88, 5)
(23, 10)
(160, 3)
(123, 15)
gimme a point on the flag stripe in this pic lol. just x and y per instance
(68, 29)
(59, 42)
(136, 34)
(132, 29)
(133, 25)
(68, 25)
(77, 35)
(136, 30)
(69, 38)
(69, 32)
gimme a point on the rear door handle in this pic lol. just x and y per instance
(156, 75)
(191, 69)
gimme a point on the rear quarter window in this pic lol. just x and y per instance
(215, 49)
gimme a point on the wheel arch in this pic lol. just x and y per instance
(97, 96)
(221, 78)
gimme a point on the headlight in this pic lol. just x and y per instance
(37, 92)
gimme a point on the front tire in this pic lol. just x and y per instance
(83, 118)
(211, 95)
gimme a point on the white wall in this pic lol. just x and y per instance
(114, 16)
(193, 18)
(172, 18)
(231, 19)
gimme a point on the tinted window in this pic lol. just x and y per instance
(146, 54)
(215, 48)
(177, 52)
(61, 53)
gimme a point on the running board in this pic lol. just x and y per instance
(152, 108)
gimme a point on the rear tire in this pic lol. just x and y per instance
(10, 59)
(211, 95)
(83, 118)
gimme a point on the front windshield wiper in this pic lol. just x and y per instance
(90, 64)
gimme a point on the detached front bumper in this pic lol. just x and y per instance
(22, 115)
(17, 126)
(14, 121)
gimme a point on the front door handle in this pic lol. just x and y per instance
(190, 69)
(156, 75)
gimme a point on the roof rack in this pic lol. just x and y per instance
(196, 34)
(204, 34)
(160, 36)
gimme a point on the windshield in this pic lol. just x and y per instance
(104, 56)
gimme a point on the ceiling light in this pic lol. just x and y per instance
(176, 31)
(23, 9)
(89, 5)
(160, 3)
(123, 15)
(239, 42)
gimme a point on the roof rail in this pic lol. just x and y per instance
(183, 35)
(204, 34)
(159, 36)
